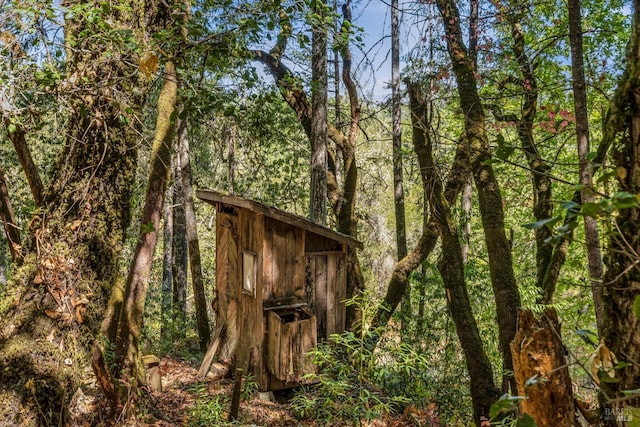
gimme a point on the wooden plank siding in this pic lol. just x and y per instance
(228, 274)
(300, 268)
(250, 313)
(319, 275)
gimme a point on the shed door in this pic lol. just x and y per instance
(327, 279)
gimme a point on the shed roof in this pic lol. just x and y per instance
(213, 197)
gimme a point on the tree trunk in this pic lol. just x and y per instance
(18, 138)
(341, 195)
(503, 281)
(195, 264)
(231, 158)
(621, 291)
(59, 295)
(541, 370)
(466, 202)
(458, 175)
(451, 266)
(9, 223)
(319, 118)
(179, 256)
(398, 182)
(594, 256)
(166, 330)
(130, 318)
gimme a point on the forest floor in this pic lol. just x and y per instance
(188, 401)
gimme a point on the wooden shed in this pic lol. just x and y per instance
(280, 288)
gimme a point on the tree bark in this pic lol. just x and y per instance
(541, 370)
(319, 117)
(179, 255)
(167, 271)
(503, 281)
(594, 256)
(195, 264)
(18, 138)
(396, 111)
(451, 266)
(129, 321)
(398, 181)
(59, 295)
(9, 223)
(621, 289)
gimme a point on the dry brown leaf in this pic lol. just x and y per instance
(603, 358)
(79, 312)
(52, 314)
(38, 279)
(75, 224)
(148, 64)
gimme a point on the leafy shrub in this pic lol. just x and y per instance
(208, 410)
(355, 384)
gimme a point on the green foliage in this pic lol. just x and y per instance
(350, 384)
(502, 413)
(208, 410)
(212, 410)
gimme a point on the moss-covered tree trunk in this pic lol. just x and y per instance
(621, 290)
(130, 317)
(9, 223)
(56, 300)
(503, 281)
(451, 265)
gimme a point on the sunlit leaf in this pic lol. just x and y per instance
(539, 224)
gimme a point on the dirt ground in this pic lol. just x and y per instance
(183, 402)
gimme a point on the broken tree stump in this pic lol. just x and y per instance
(152, 367)
(541, 371)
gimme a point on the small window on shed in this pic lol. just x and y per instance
(249, 273)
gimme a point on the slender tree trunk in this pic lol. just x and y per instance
(319, 118)
(180, 255)
(451, 266)
(195, 264)
(466, 198)
(582, 133)
(503, 281)
(9, 223)
(167, 270)
(18, 138)
(398, 182)
(466, 202)
(336, 67)
(231, 158)
(129, 321)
